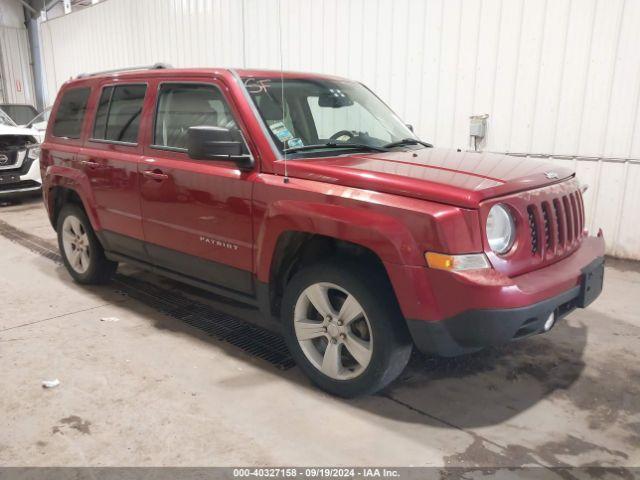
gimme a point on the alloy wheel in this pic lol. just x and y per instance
(333, 331)
(75, 242)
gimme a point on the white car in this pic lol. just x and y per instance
(19, 158)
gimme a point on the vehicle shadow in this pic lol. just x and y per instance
(25, 201)
(491, 386)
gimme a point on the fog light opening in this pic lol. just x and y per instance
(549, 322)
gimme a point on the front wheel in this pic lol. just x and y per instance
(344, 328)
(81, 251)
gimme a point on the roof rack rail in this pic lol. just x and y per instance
(155, 66)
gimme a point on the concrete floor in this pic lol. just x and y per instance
(148, 390)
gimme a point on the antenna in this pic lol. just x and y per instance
(284, 143)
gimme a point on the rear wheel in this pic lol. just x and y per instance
(81, 251)
(344, 328)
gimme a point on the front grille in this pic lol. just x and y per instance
(8, 158)
(21, 170)
(557, 224)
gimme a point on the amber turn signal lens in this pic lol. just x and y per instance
(442, 261)
(439, 260)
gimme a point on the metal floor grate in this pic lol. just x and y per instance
(252, 339)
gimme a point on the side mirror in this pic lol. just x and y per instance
(409, 126)
(216, 143)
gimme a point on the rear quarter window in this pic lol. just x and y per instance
(70, 115)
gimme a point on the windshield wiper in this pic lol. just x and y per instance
(407, 141)
(359, 146)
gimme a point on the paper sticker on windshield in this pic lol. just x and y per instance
(280, 131)
(295, 143)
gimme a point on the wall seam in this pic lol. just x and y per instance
(537, 87)
(612, 75)
(515, 77)
(561, 86)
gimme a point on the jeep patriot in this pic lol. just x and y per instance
(306, 197)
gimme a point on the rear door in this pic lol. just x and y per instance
(110, 160)
(66, 127)
(196, 213)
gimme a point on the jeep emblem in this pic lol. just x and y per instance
(550, 175)
(3, 159)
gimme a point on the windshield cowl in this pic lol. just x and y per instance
(333, 145)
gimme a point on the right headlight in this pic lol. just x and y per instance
(501, 229)
(34, 153)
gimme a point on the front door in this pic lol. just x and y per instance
(196, 213)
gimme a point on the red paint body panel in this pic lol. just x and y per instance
(397, 229)
(198, 199)
(445, 176)
(433, 295)
(397, 204)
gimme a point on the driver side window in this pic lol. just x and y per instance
(329, 121)
(181, 106)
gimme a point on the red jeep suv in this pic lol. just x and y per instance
(305, 196)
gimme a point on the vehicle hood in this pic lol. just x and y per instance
(442, 175)
(9, 130)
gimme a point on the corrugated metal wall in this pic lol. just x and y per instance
(559, 78)
(16, 80)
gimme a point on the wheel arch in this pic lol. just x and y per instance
(295, 235)
(68, 186)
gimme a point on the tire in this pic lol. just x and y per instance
(350, 354)
(75, 234)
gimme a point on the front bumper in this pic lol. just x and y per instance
(20, 180)
(474, 330)
(454, 313)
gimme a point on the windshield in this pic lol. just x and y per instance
(5, 120)
(42, 117)
(20, 114)
(320, 111)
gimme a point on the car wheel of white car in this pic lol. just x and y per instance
(344, 328)
(81, 251)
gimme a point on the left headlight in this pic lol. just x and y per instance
(501, 229)
(34, 153)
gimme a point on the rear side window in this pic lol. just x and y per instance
(181, 106)
(118, 113)
(70, 114)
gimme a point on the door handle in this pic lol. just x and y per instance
(89, 163)
(155, 174)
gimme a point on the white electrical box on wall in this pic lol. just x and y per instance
(477, 129)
